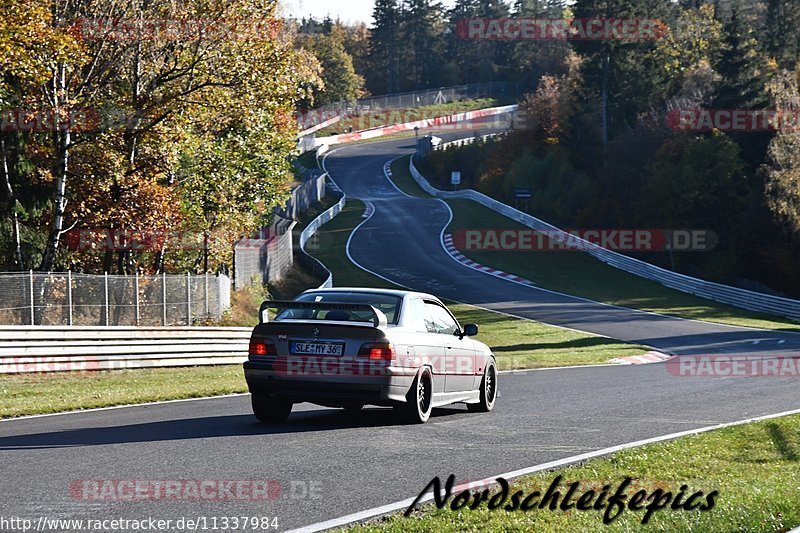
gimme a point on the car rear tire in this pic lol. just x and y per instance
(419, 401)
(488, 391)
(269, 409)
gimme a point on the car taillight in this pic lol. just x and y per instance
(377, 350)
(261, 348)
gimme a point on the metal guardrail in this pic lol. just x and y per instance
(745, 299)
(323, 218)
(25, 349)
(312, 228)
(454, 121)
(467, 140)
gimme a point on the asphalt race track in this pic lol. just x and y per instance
(355, 462)
(401, 242)
(328, 462)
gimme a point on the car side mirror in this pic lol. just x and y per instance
(470, 330)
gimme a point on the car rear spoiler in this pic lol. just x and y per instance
(378, 318)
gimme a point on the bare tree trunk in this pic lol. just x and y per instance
(124, 257)
(12, 199)
(158, 261)
(604, 106)
(63, 141)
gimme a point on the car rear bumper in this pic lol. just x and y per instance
(333, 390)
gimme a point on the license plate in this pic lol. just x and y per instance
(316, 348)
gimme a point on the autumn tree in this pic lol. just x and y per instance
(226, 82)
(781, 170)
(37, 114)
(688, 51)
(783, 181)
(341, 82)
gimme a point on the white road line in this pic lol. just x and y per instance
(526, 370)
(441, 242)
(404, 504)
(642, 310)
(450, 211)
(387, 173)
(126, 406)
(570, 295)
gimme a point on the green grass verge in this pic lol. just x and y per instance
(519, 343)
(401, 177)
(29, 394)
(582, 275)
(329, 245)
(754, 467)
(394, 116)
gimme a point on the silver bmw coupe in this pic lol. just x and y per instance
(348, 347)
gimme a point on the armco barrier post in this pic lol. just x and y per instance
(164, 299)
(105, 292)
(69, 297)
(188, 299)
(136, 299)
(205, 295)
(33, 317)
(223, 293)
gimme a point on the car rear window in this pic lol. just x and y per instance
(387, 303)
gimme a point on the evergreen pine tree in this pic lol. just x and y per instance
(742, 86)
(385, 38)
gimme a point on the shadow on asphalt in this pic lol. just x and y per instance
(214, 426)
(584, 342)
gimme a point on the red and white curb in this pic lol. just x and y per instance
(369, 210)
(451, 249)
(447, 122)
(649, 357)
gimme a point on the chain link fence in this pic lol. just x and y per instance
(264, 261)
(441, 95)
(501, 90)
(73, 299)
(270, 257)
